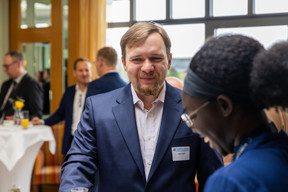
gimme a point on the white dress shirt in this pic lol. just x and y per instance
(148, 126)
(78, 105)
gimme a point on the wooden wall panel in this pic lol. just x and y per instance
(86, 34)
(87, 26)
(52, 35)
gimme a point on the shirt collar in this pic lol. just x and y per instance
(111, 71)
(18, 79)
(78, 90)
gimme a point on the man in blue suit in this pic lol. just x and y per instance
(72, 103)
(134, 136)
(109, 80)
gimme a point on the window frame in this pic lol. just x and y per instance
(211, 23)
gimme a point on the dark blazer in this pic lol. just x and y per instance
(107, 82)
(64, 112)
(46, 99)
(29, 90)
(107, 140)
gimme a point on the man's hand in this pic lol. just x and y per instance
(37, 121)
(9, 117)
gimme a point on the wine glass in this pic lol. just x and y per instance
(79, 189)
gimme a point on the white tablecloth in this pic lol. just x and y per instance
(18, 150)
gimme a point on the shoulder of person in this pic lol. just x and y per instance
(109, 96)
(7, 82)
(28, 80)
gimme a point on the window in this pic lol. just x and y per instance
(188, 9)
(268, 6)
(117, 11)
(35, 14)
(150, 10)
(267, 35)
(113, 36)
(186, 40)
(190, 22)
(228, 7)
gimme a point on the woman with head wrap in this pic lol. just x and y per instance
(231, 79)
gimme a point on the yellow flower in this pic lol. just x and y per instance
(19, 104)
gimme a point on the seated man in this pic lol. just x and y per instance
(19, 85)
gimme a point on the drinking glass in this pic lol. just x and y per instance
(79, 189)
(25, 119)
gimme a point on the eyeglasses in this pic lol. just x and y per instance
(189, 118)
(6, 66)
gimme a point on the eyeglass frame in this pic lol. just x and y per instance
(189, 118)
(7, 66)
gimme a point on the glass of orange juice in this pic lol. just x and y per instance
(25, 119)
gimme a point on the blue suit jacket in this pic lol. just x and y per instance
(107, 140)
(64, 112)
(107, 82)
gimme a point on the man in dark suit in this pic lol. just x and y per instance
(134, 136)
(19, 85)
(109, 80)
(72, 103)
(46, 92)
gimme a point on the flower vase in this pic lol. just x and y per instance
(17, 119)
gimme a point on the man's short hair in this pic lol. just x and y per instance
(139, 32)
(16, 55)
(79, 60)
(109, 54)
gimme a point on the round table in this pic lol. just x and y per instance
(18, 151)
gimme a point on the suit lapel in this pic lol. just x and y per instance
(70, 105)
(3, 94)
(21, 86)
(170, 120)
(18, 90)
(4, 90)
(125, 117)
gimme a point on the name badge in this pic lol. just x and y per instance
(181, 153)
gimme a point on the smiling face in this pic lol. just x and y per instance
(210, 122)
(83, 72)
(147, 65)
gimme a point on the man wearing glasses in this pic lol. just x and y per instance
(134, 136)
(19, 85)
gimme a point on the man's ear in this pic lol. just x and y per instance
(169, 61)
(225, 105)
(101, 62)
(124, 63)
